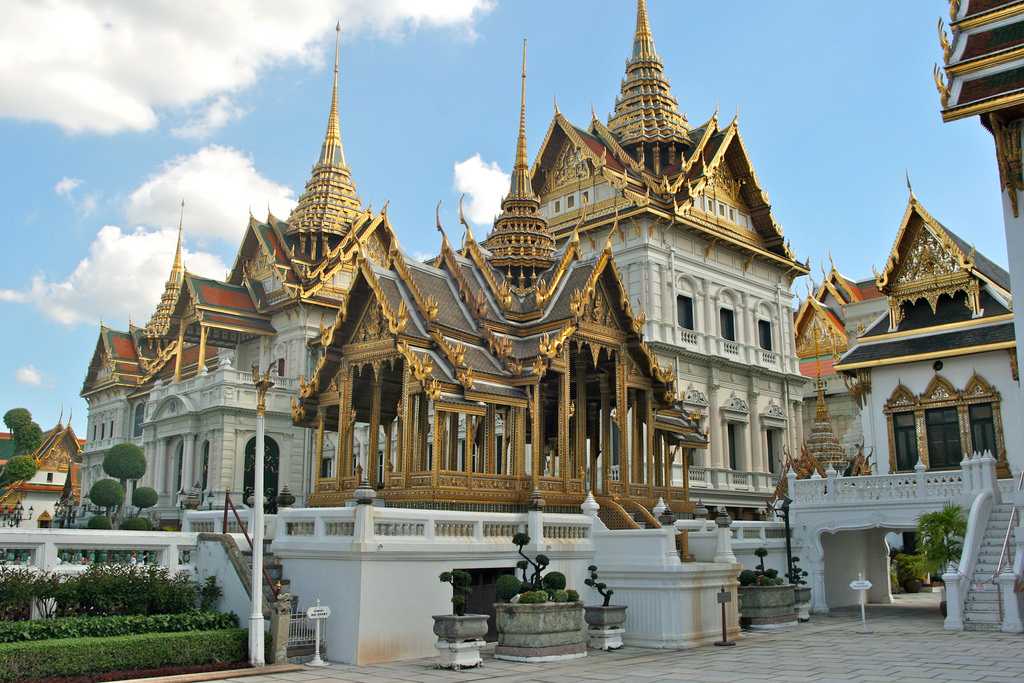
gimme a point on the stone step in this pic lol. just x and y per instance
(982, 618)
(973, 626)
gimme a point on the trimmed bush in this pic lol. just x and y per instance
(145, 497)
(508, 587)
(106, 493)
(533, 597)
(136, 524)
(554, 581)
(93, 627)
(19, 468)
(99, 522)
(125, 461)
(572, 595)
(90, 656)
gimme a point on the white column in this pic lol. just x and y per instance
(160, 465)
(757, 447)
(187, 458)
(1014, 226)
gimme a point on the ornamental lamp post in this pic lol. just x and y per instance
(783, 511)
(256, 634)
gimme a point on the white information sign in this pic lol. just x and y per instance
(318, 613)
(862, 586)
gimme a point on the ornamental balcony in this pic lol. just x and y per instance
(725, 479)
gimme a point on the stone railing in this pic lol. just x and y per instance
(919, 486)
(769, 359)
(370, 524)
(212, 522)
(688, 338)
(726, 479)
(73, 550)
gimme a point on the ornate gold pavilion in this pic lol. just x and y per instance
(495, 370)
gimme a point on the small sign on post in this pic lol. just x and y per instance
(862, 586)
(724, 597)
(317, 613)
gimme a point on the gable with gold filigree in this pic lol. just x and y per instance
(819, 335)
(372, 325)
(570, 166)
(601, 311)
(725, 185)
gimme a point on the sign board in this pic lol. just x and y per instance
(318, 612)
(860, 585)
(724, 597)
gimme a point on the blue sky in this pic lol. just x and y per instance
(227, 108)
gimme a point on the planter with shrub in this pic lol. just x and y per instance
(911, 570)
(543, 620)
(605, 622)
(460, 636)
(766, 601)
(801, 591)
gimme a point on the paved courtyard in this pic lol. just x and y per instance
(906, 644)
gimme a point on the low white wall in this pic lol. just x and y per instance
(72, 550)
(211, 559)
(747, 537)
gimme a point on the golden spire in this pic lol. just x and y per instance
(645, 110)
(178, 266)
(521, 170)
(329, 204)
(331, 151)
(520, 240)
(160, 323)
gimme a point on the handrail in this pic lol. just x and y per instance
(1004, 552)
(274, 589)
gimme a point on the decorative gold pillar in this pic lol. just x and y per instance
(373, 443)
(201, 363)
(536, 449)
(435, 461)
(622, 413)
(606, 432)
(519, 447)
(567, 464)
(177, 352)
(320, 419)
(490, 440)
(344, 383)
(648, 439)
(467, 464)
(582, 456)
(387, 465)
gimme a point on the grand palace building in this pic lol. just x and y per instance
(625, 328)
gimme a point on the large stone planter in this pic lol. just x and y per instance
(802, 598)
(605, 626)
(459, 639)
(766, 607)
(545, 632)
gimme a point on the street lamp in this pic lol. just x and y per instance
(65, 510)
(13, 515)
(256, 654)
(783, 511)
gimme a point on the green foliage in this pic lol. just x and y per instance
(136, 524)
(558, 596)
(595, 583)
(751, 577)
(27, 435)
(761, 554)
(461, 588)
(910, 567)
(554, 581)
(92, 627)
(797, 575)
(16, 590)
(941, 538)
(508, 587)
(90, 656)
(19, 468)
(125, 461)
(539, 563)
(106, 493)
(209, 594)
(533, 597)
(99, 522)
(572, 595)
(145, 497)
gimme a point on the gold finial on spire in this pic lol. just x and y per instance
(521, 172)
(178, 268)
(332, 152)
(910, 188)
(554, 99)
(643, 40)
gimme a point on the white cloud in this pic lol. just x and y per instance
(123, 274)
(106, 66)
(485, 184)
(28, 375)
(219, 186)
(217, 114)
(65, 186)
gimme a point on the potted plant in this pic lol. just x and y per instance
(766, 601)
(459, 635)
(801, 591)
(941, 540)
(910, 571)
(543, 621)
(604, 621)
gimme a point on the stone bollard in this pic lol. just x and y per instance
(280, 618)
(954, 602)
(723, 549)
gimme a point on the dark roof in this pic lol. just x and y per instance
(919, 316)
(982, 263)
(932, 343)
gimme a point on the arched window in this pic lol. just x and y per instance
(271, 467)
(138, 418)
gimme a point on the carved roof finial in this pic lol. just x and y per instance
(332, 151)
(910, 188)
(521, 171)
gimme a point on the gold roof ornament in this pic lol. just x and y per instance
(329, 205)
(645, 110)
(520, 239)
(821, 443)
(160, 323)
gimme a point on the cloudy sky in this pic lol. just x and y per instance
(113, 112)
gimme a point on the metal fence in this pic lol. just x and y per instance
(301, 631)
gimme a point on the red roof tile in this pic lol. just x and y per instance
(219, 296)
(811, 368)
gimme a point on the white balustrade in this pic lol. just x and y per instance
(74, 550)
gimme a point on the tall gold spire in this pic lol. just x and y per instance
(329, 204)
(521, 170)
(160, 323)
(332, 151)
(645, 110)
(821, 441)
(521, 241)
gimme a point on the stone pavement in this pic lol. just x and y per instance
(906, 644)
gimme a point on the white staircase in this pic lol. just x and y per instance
(982, 609)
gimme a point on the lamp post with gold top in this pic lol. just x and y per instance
(256, 648)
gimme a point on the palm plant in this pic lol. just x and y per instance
(941, 535)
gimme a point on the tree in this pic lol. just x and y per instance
(125, 461)
(942, 534)
(144, 497)
(26, 434)
(106, 493)
(19, 468)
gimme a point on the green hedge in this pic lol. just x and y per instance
(89, 656)
(95, 627)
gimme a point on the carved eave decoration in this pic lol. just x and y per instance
(818, 331)
(925, 263)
